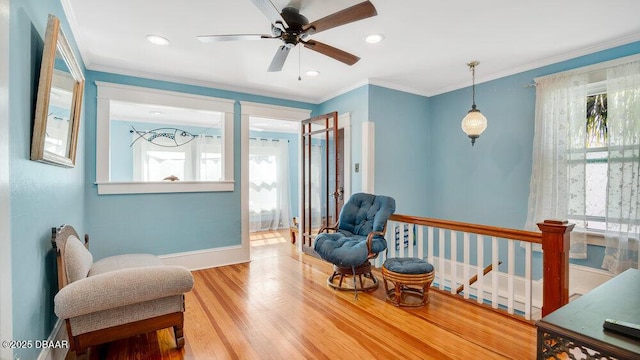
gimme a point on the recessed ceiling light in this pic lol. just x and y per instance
(313, 73)
(374, 38)
(157, 39)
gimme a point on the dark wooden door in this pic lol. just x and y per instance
(320, 186)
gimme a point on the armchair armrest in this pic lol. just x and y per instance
(121, 288)
(325, 228)
(370, 241)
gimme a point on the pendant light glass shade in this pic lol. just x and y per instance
(474, 123)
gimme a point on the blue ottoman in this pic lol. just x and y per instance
(410, 279)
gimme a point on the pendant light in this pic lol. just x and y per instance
(474, 123)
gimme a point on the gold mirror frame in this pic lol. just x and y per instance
(60, 91)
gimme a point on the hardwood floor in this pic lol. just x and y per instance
(278, 306)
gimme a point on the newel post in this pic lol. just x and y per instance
(555, 258)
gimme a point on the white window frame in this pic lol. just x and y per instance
(118, 92)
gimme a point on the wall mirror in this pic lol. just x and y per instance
(60, 88)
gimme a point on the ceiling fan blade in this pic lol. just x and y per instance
(356, 12)
(330, 51)
(279, 58)
(233, 37)
(270, 11)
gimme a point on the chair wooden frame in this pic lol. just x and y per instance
(359, 271)
(80, 343)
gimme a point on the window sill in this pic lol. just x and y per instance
(108, 188)
(594, 238)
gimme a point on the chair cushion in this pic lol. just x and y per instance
(126, 261)
(408, 266)
(364, 213)
(346, 251)
(77, 259)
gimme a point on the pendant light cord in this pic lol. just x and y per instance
(472, 67)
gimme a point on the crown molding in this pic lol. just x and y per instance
(544, 62)
(207, 84)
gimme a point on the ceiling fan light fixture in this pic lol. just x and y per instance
(157, 40)
(374, 38)
(312, 73)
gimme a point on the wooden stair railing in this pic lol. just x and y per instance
(553, 236)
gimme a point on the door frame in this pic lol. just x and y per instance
(344, 123)
(247, 110)
(6, 283)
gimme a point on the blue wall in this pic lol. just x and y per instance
(355, 102)
(42, 196)
(489, 182)
(402, 140)
(163, 223)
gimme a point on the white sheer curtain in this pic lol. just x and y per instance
(197, 160)
(269, 205)
(560, 158)
(623, 190)
(557, 189)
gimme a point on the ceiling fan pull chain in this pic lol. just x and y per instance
(299, 60)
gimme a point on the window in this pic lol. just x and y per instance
(586, 157)
(152, 141)
(596, 162)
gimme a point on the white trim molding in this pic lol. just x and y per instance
(368, 156)
(249, 109)
(207, 258)
(60, 341)
(108, 92)
(6, 282)
(344, 122)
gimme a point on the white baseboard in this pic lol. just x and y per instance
(58, 336)
(208, 258)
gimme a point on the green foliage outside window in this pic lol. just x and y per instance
(597, 131)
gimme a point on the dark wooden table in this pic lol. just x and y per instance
(576, 328)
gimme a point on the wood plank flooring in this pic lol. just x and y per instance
(278, 306)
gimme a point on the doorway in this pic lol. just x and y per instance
(273, 175)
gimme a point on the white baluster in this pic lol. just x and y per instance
(441, 268)
(430, 245)
(410, 230)
(527, 281)
(420, 242)
(454, 260)
(467, 286)
(494, 273)
(401, 241)
(480, 274)
(391, 239)
(511, 270)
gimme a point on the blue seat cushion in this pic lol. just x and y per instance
(408, 266)
(346, 250)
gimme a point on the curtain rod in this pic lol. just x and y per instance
(592, 67)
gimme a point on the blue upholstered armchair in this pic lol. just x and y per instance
(357, 237)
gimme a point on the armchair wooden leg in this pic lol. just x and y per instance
(177, 330)
(81, 354)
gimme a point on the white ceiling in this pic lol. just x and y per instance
(427, 43)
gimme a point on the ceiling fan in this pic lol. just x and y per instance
(292, 28)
